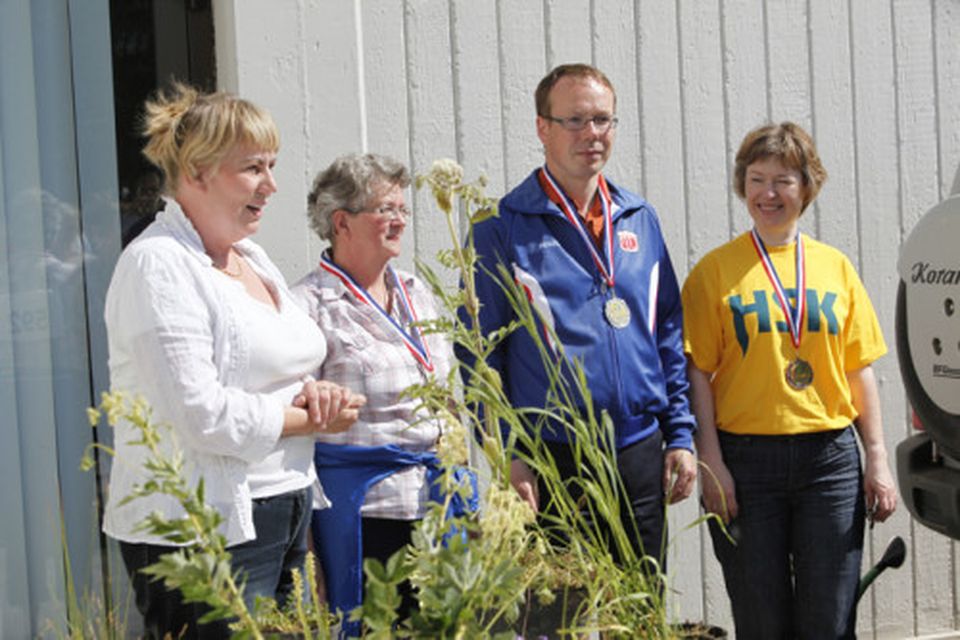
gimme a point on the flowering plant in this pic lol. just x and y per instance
(201, 568)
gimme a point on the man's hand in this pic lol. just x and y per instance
(679, 474)
(525, 482)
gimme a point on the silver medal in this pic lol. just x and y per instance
(617, 313)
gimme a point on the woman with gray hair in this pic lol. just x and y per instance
(379, 474)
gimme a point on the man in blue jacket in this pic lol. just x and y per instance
(592, 259)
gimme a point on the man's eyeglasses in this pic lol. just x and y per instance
(386, 212)
(576, 123)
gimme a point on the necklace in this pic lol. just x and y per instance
(224, 270)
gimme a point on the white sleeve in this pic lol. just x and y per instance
(163, 339)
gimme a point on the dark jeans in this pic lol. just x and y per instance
(265, 563)
(641, 468)
(796, 566)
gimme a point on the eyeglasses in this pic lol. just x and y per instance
(576, 123)
(389, 213)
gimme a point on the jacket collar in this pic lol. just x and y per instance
(529, 199)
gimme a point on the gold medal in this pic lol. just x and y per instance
(617, 313)
(799, 374)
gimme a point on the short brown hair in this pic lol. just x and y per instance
(788, 143)
(188, 131)
(582, 71)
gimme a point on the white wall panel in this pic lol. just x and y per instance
(522, 56)
(615, 51)
(919, 186)
(833, 216)
(704, 138)
(789, 61)
(663, 172)
(706, 174)
(946, 35)
(270, 70)
(386, 116)
(568, 31)
(877, 83)
(332, 58)
(746, 94)
(478, 93)
(430, 90)
(878, 226)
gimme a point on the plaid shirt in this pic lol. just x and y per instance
(365, 355)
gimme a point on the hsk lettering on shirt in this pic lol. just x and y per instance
(819, 310)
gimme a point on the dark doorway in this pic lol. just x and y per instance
(154, 43)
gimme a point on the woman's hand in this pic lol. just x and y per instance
(879, 489)
(716, 483)
(330, 408)
(719, 490)
(345, 419)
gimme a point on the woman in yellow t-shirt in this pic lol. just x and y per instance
(780, 382)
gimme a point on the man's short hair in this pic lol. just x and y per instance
(581, 71)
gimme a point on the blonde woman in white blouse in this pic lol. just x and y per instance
(202, 325)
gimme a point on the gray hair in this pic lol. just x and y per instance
(349, 183)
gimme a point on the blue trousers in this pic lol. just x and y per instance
(641, 469)
(640, 466)
(266, 564)
(795, 568)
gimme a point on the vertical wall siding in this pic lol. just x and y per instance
(878, 83)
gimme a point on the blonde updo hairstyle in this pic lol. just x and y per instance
(189, 132)
(792, 146)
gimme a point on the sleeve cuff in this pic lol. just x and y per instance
(679, 437)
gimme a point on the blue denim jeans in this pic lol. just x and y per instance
(795, 568)
(266, 563)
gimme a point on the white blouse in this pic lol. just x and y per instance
(180, 335)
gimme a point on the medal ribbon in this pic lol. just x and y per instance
(604, 263)
(414, 340)
(794, 315)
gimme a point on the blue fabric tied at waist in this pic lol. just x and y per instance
(346, 473)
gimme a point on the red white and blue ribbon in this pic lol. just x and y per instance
(794, 314)
(412, 339)
(604, 263)
(539, 301)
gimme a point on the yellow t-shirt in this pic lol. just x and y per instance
(734, 328)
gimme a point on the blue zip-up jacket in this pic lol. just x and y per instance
(637, 374)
